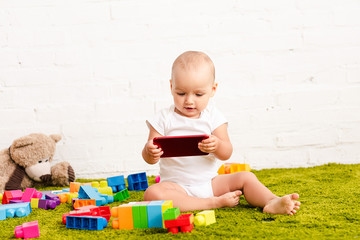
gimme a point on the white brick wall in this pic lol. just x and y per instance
(94, 70)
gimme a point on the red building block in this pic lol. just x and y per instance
(102, 211)
(184, 223)
(27, 230)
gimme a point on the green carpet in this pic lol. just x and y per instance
(330, 209)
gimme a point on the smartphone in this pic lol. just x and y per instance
(180, 146)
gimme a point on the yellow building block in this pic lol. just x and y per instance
(205, 218)
(166, 205)
(105, 190)
(34, 202)
(103, 184)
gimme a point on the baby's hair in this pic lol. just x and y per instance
(192, 60)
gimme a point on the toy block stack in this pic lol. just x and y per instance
(140, 214)
(228, 168)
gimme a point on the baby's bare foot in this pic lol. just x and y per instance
(230, 199)
(283, 205)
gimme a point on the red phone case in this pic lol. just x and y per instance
(180, 146)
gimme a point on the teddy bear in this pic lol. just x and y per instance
(27, 163)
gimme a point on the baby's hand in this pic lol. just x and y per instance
(153, 151)
(209, 145)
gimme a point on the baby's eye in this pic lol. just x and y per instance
(181, 94)
(40, 161)
(199, 94)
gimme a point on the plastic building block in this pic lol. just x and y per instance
(171, 213)
(205, 218)
(2, 214)
(30, 193)
(117, 183)
(14, 210)
(108, 198)
(125, 217)
(27, 230)
(137, 182)
(154, 214)
(106, 190)
(86, 222)
(83, 202)
(122, 195)
(34, 203)
(95, 184)
(140, 215)
(67, 197)
(53, 197)
(103, 211)
(227, 168)
(157, 179)
(15, 201)
(74, 187)
(1, 197)
(184, 223)
(88, 192)
(103, 184)
(11, 195)
(166, 205)
(47, 204)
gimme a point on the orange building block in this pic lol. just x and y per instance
(227, 168)
(84, 202)
(74, 187)
(125, 217)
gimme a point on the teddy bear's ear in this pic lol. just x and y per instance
(23, 141)
(55, 137)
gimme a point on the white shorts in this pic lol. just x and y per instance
(201, 190)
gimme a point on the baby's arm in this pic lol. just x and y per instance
(151, 153)
(218, 143)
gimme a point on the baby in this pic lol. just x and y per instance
(192, 182)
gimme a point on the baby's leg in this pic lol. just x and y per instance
(180, 198)
(255, 193)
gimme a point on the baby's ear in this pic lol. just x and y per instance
(55, 137)
(23, 142)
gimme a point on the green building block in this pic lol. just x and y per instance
(140, 215)
(171, 213)
(122, 195)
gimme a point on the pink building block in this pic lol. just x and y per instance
(27, 230)
(28, 194)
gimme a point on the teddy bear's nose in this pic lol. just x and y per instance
(45, 178)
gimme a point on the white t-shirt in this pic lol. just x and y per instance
(191, 170)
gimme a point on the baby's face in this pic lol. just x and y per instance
(191, 90)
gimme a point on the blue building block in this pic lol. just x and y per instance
(86, 222)
(88, 192)
(116, 183)
(108, 198)
(14, 210)
(154, 214)
(137, 182)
